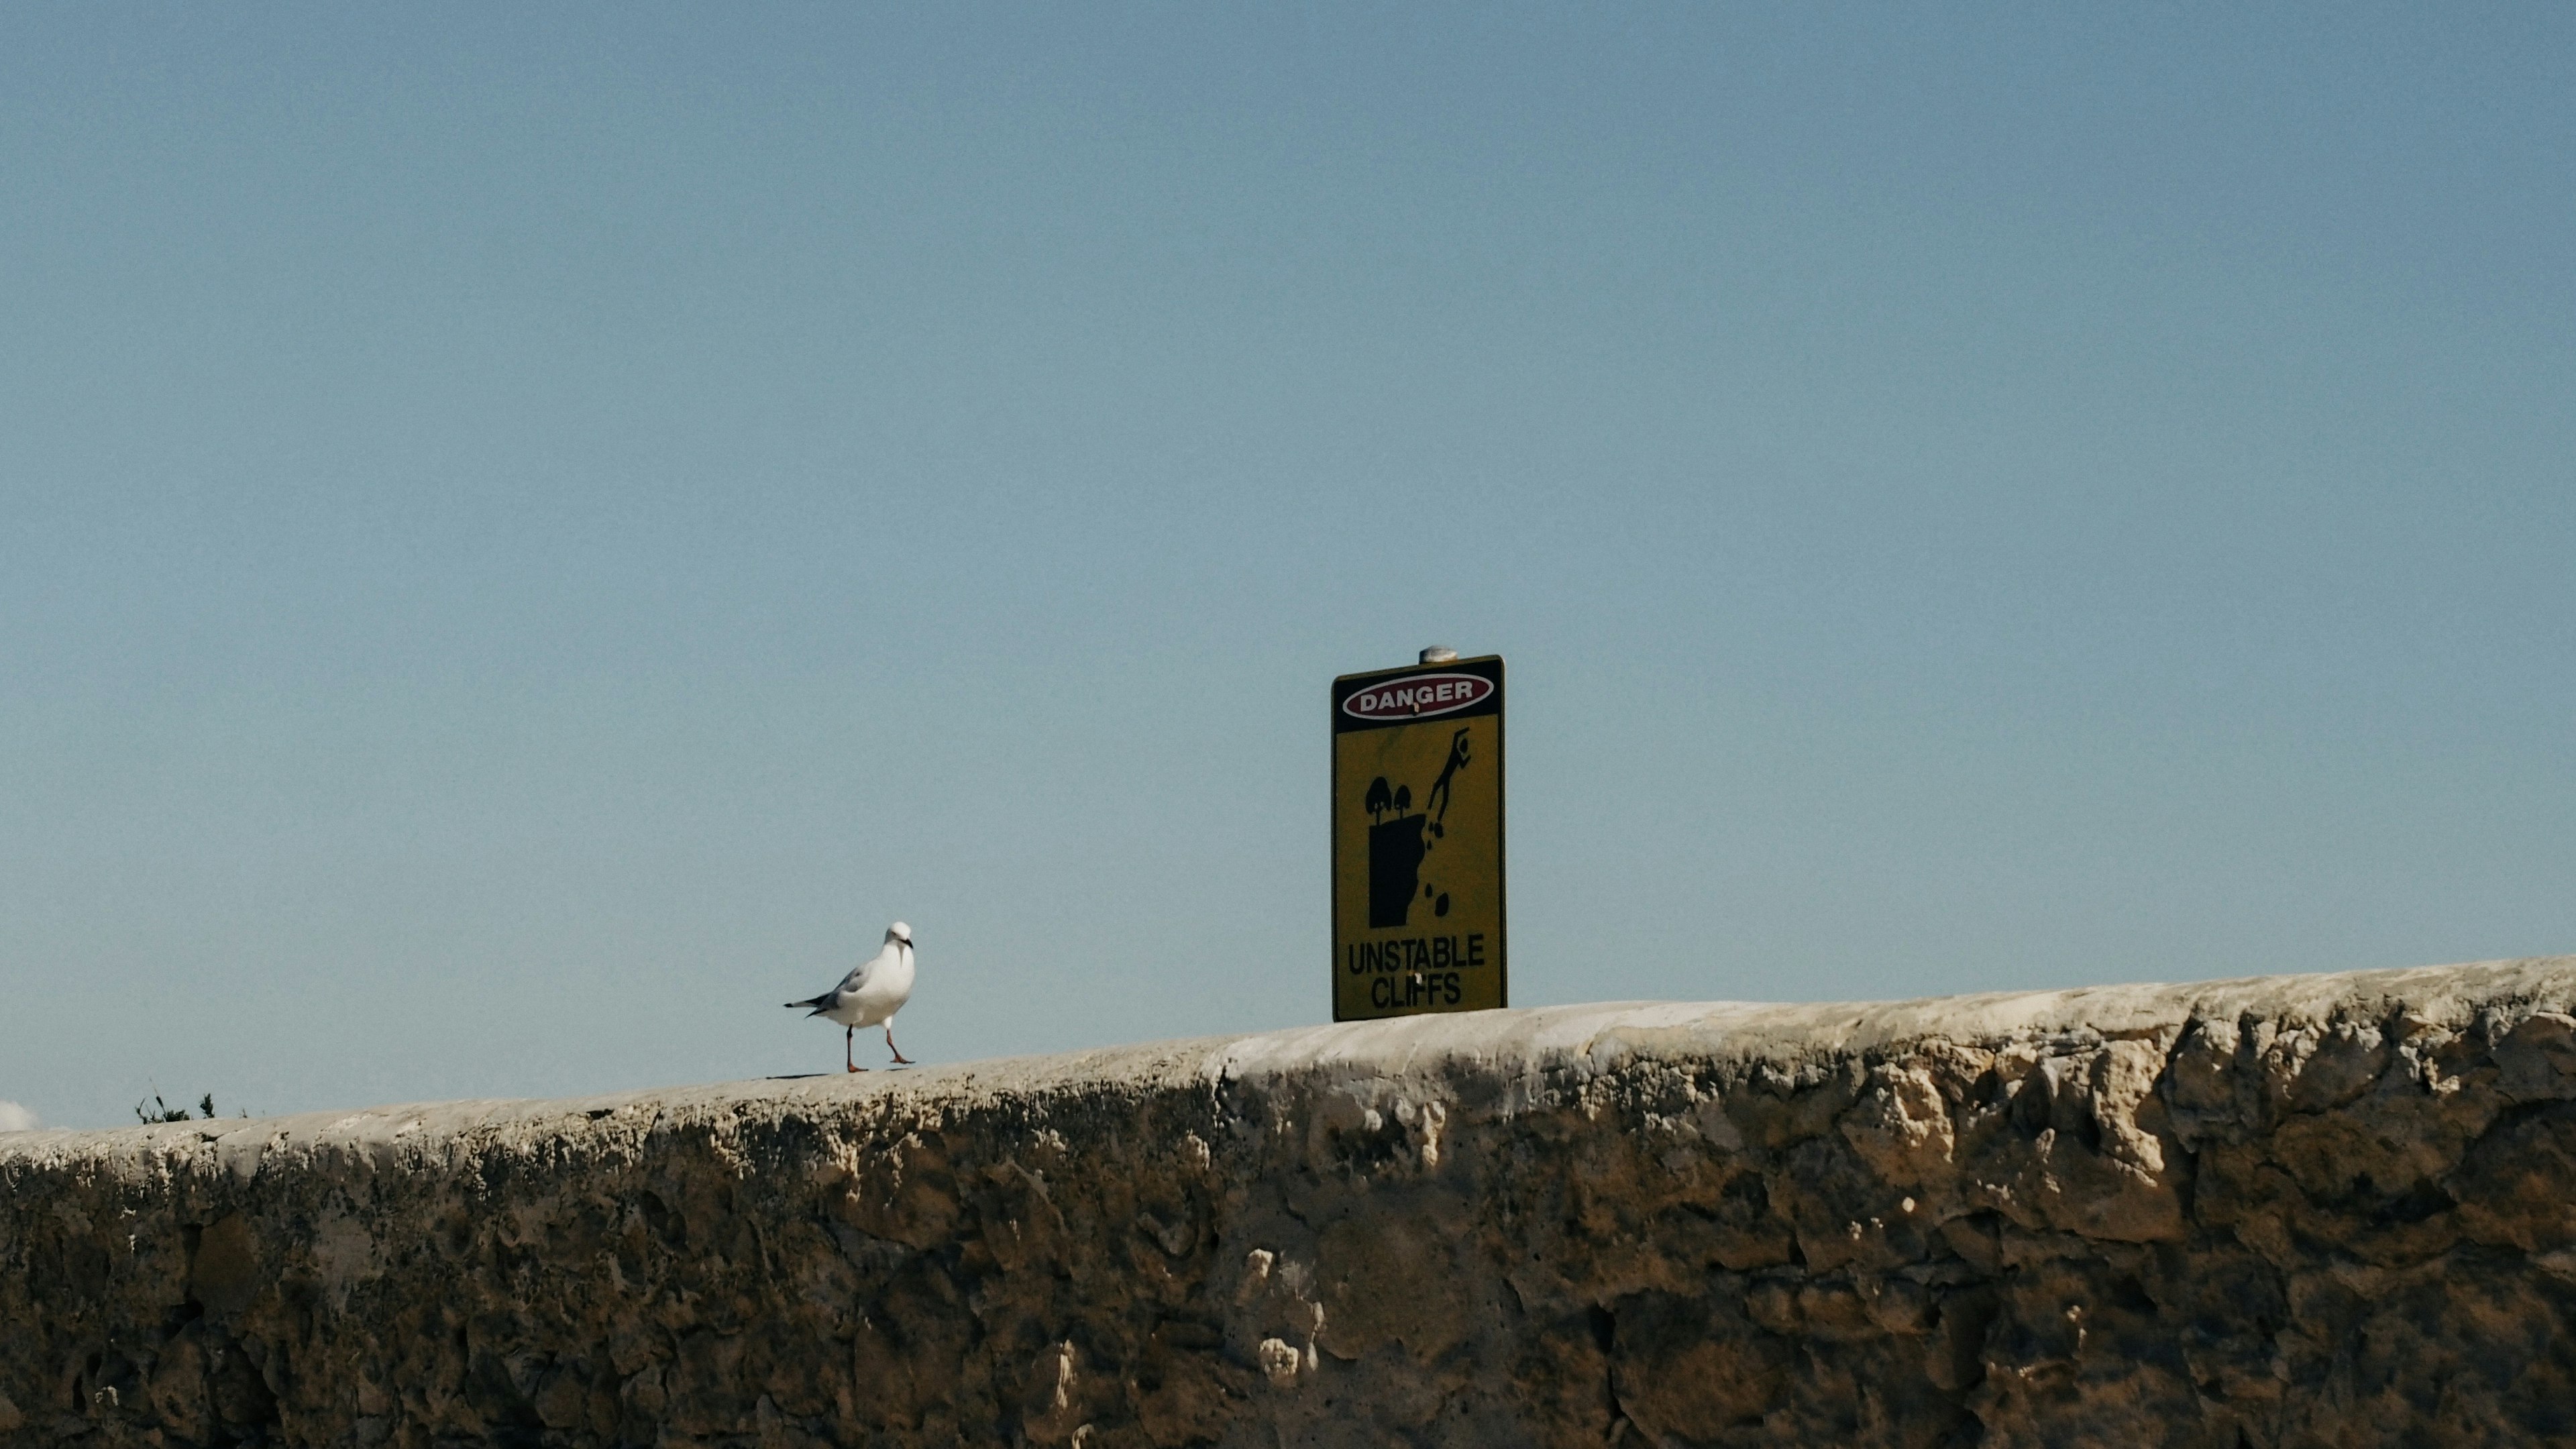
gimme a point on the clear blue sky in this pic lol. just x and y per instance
(528, 534)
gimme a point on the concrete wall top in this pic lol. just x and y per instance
(2279, 1211)
(1502, 1042)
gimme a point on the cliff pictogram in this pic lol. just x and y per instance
(1398, 847)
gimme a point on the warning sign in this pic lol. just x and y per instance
(1418, 840)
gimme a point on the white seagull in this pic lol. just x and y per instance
(871, 994)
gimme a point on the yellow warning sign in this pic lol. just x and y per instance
(1418, 840)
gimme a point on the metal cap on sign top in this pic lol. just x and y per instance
(1439, 654)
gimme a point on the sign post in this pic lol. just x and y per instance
(1418, 839)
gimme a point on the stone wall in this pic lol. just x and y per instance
(2329, 1210)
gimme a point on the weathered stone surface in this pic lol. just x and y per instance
(2300, 1211)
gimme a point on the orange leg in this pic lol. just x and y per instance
(900, 1058)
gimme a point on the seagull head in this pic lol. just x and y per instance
(899, 932)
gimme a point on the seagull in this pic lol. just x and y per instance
(871, 994)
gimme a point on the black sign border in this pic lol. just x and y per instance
(1488, 667)
(1483, 666)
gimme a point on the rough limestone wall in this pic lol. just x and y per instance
(2334, 1210)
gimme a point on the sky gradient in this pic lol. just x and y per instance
(527, 538)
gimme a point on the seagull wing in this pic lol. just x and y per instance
(823, 1003)
(857, 978)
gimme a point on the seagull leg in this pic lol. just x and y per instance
(848, 1034)
(899, 1057)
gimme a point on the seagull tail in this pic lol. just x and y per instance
(820, 1003)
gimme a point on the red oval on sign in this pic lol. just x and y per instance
(1417, 696)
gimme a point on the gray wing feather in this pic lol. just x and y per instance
(857, 978)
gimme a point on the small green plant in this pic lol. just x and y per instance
(157, 1110)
